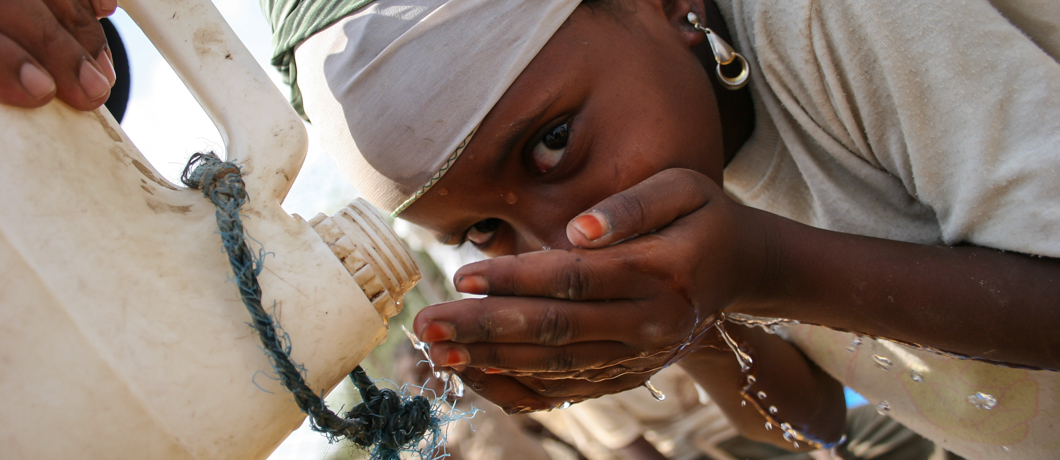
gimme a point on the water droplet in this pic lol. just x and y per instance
(761, 395)
(751, 380)
(786, 426)
(916, 376)
(455, 385)
(854, 344)
(655, 393)
(788, 437)
(795, 444)
(743, 403)
(565, 405)
(882, 362)
(1005, 448)
(982, 401)
(443, 191)
(842, 439)
(883, 407)
(511, 198)
(773, 410)
(741, 357)
(769, 426)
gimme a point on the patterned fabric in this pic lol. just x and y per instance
(293, 21)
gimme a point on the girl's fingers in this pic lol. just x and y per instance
(508, 393)
(520, 395)
(575, 389)
(104, 8)
(23, 82)
(67, 42)
(570, 275)
(644, 208)
(550, 322)
(564, 360)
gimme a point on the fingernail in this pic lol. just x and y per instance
(490, 370)
(438, 332)
(93, 83)
(473, 284)
(108, 6)
(456, 357)
(37, 83)
(108, 66)
(592, 225)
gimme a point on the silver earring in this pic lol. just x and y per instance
(724, 54)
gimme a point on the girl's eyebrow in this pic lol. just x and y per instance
(518, 129)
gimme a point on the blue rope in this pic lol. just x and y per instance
(384, 422)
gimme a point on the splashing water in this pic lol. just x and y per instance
(982, 401)
(742, 357)
(854, 344)
(882, 362)
(883, 407)
(655, 393)
(454, 386)
(770, 325)
(916, 376)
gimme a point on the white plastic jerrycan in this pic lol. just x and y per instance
(121, 334)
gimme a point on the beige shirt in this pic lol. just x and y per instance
(683, 426)
(923, 121)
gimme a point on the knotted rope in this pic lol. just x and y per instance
(384, 421)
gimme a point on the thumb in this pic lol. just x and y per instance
(646, 207)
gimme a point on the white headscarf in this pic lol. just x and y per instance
(398, 88)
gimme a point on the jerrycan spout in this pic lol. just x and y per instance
(372, 253)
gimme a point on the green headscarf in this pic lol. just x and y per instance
(294, 21)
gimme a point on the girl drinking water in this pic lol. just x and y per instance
(847, 171)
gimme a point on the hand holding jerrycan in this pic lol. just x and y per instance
(122, 334)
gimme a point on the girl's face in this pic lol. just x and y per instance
(614, 97)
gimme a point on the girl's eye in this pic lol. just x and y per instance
(482, 232)
(550, 150)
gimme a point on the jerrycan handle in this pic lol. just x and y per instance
(259, 127)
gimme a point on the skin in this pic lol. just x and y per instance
(55, 49)
(664, 137)
(646, 248)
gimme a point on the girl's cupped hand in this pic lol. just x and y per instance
(55, 48)
(652, 268)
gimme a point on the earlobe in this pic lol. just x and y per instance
(677, 15)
